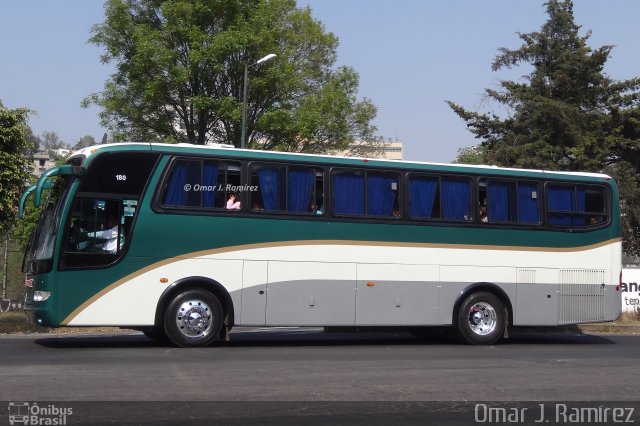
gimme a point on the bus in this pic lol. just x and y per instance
(185, 242)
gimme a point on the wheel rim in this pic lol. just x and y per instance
(483, 318)
(194, 318)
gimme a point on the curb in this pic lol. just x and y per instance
(610, 328)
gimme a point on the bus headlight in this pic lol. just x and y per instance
(41, 296)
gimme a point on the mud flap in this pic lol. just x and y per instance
(506, 324)
(224, 333)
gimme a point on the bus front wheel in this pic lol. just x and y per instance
(481, 319)
(193, 318)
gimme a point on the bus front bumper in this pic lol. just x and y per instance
(38, 308)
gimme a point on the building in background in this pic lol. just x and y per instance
(388, 150)
(45, 159)
(392, 151)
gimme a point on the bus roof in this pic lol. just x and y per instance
(231, 151)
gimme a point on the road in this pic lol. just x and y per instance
(309, 365)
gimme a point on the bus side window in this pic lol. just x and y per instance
(508, 201)
(372, 193)
(292, 189)
(200, 184)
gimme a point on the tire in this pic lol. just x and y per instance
(193, 318)
(481, 319)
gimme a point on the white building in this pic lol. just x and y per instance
(389, 150)
(46, 159)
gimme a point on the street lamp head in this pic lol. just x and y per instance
(266, 58)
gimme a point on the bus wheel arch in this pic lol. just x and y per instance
(479, 306)
(201, 286)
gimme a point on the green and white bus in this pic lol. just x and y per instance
(184, 242)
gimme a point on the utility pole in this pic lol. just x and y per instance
(5, 265)
(243, 130)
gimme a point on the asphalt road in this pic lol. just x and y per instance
(309, 365)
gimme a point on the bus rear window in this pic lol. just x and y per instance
(575, 205)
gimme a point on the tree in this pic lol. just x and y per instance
(33, 143)
(470, 155)
(567, 114)
(50, 141)
(180, 74)
(14, 160)
(83, 142)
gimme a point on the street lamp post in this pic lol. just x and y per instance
(243, 135)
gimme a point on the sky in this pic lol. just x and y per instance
(411, 56)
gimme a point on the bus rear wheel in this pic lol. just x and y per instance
(193, 318)
(481, 319)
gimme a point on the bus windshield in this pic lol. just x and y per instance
(43, 237)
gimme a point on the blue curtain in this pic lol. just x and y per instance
(422, 194)
(581, 196)
(194, 177)
(498, 199)
(528, 209)
(380, 195)
(269, 180)
(300, 190)
(456, 199)
(559, 200)
(176, 195)
(581, 200)
(209, 179)
(348, 193)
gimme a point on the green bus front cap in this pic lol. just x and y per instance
(67, 169)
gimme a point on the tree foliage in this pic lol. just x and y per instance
(14, 161)
(470, 155)
(83, 142)
(180, 73)
(50, 141)
(566, 114)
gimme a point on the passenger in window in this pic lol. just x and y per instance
(593, 221)
(483, 214)
(257, 206)
(316, 210)
(232, 202)
(395, 213)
